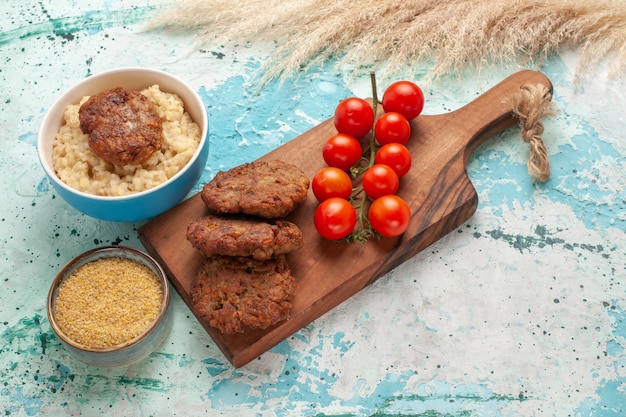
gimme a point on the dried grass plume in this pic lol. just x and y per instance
(387, 35)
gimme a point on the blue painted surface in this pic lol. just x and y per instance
(520, 312)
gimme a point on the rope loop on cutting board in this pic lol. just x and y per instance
(530, 105)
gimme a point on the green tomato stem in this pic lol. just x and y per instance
(372, 147)
(365, 230)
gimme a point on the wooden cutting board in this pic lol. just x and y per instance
(437, 189)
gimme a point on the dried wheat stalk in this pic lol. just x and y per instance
(386, 35)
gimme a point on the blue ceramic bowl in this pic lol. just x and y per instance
(145, 204)
(129, 352)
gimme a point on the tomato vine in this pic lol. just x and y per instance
(352, 115)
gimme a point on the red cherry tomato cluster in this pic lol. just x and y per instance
(380, 210)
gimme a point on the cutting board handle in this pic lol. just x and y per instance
(439, 192)
(491, 112)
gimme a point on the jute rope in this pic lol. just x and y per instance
(530, 106)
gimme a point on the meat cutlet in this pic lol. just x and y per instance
(266, 189)
(124, 127)
(237, 236)
(233, 293)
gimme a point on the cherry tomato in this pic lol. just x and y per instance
(380, 180)
(331, 182)
(354, 116)
(335, 218)
(405, 98)
(392, 127)
(342, 151)
(389, 215)
(396, 156)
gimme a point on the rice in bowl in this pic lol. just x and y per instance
(80, 168)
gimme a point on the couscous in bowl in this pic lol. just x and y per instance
(110, 306)
(153, 196)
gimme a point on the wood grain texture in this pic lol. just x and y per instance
(437, 189)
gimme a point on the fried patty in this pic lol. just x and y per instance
(124, 127)
(235, 293)
(237, 236)
(265, 189)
